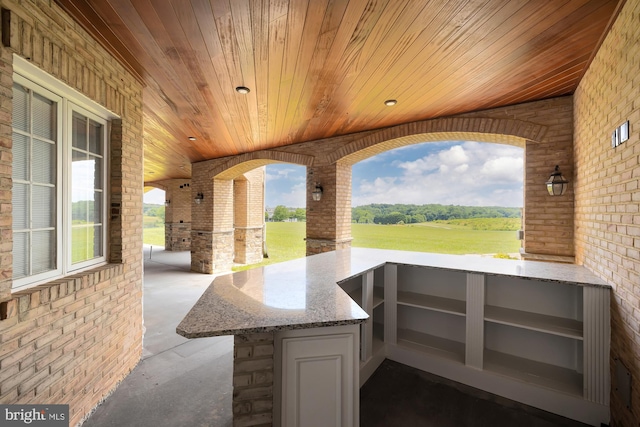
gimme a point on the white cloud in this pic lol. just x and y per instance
(295, 198)
(154, 197)
(277, 172)
(467, 173)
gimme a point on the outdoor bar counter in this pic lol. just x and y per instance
(319, 326)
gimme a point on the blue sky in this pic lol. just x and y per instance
(450, 173)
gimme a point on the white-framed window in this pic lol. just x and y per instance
(60, 164)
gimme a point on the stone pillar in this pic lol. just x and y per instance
(177, 220)
(248, 213)
(329, 219)
(212, 222)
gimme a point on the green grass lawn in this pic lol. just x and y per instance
(153, 236)
(434, 237)
(285, 240)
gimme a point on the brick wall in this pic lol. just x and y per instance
(71, 341)
(607, 196)
(253, 380)
(177, 221)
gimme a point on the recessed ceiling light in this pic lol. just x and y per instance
(243, 90)
(390, 102)
(192, 138)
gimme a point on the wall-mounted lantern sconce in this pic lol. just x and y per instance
(557, 184)
(198, 199)
(167, 202)
(316, 194)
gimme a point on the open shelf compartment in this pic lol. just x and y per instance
(430, 344)
(561, 326)
(541, 374)
(431, 302)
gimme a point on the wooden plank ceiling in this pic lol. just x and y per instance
(319, 68)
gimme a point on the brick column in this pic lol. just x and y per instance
(248, 206)
(548, 220)
(253, 380)
(212, 222)
(329, 219)
(177, 220)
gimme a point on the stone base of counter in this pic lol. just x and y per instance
(253, 380)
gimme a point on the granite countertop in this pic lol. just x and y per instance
(303, 293)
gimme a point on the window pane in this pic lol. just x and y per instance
(81, 243)
(79, 137)
(20, 206)
(95, 138)
(97, 242)
(97, 172)
(44, 162)
(20, 255)
(44, 215)
(43, 251)
(20, 157)
(95, 214)
(20, 108)
(44, 117)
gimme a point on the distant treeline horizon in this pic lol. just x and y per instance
(387, 213)
(383, 213)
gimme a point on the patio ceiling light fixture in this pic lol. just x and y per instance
(557, 184)
(243, 90)
(198, 199)
(316, 194)
(390, 102)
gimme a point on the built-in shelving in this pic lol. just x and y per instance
(569, 328)
(378, 296)
(430, 302)
(538, 373)
(541, 342)
(431, 344)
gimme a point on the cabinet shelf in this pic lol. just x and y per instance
(378, 296)
(430, 302)
(564, 327)
(541, 374)
(430, 344)
(378, 337)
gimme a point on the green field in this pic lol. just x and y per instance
(153, 236)
(285, 240)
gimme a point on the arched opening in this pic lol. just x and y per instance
(285, 212)
(154, 216)
(459, 197)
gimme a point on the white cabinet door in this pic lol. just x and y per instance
(318, 374)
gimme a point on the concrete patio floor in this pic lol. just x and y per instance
(187, 383)
(179, 382)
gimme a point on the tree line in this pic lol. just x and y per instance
(379, 213)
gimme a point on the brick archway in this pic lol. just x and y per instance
(501, 131)
(544, 128)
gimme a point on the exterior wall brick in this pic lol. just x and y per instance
(329, 219)
(177, 221)
(253, 370)
(72, 340)
(228, 224)
(607, 218)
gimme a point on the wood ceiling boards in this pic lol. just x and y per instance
(320, 68)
